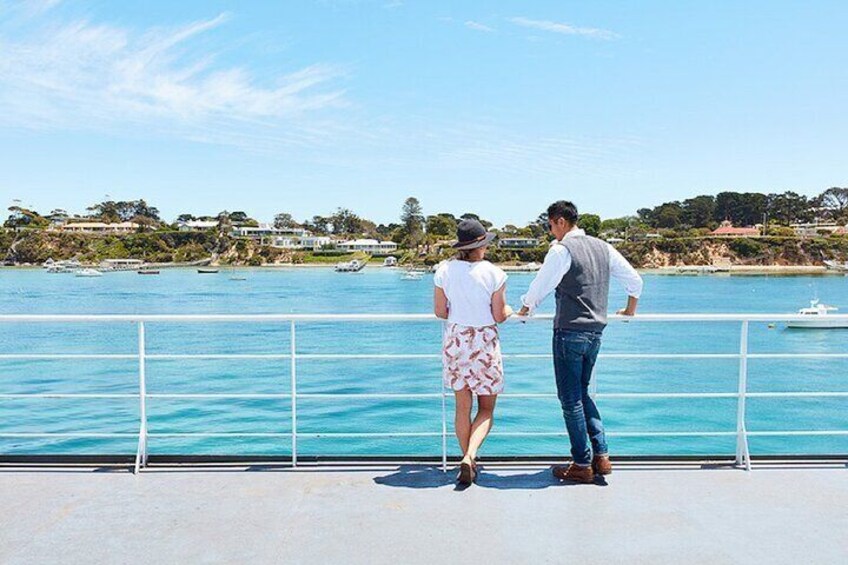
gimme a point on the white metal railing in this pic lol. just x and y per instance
(741, 432)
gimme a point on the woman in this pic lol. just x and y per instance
(470, 294)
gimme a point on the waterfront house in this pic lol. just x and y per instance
(99, 227)
(727, 229)
(267, 230)
(814, 229)
(369, 246)
(518, 242)
(310, 241)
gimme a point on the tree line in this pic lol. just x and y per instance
(414, 228)
(747, 209)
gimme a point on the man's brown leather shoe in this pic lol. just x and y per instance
(601, 464)
(574, 473)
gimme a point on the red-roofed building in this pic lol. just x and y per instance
(727, 230)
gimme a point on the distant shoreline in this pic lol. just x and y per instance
(681, 270)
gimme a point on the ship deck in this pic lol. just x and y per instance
(647, 512)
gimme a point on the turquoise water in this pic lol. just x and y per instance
(382, 291)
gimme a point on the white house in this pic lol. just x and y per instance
(815, 228)
(267, 230)
(100, 227)
(307, 242)
(369, 246)
(518, 242)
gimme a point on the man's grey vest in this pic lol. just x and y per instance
(583, 294)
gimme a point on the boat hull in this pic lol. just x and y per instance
(818, 324)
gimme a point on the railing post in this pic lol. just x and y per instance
(743, 455)
(293, 396)
(444, 429)
(141, 452)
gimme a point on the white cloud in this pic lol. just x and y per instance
(80, 75)
(565, 29)
(478, 26)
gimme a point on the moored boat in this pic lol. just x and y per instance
(88, 273)
(208, 271)
(817, 317)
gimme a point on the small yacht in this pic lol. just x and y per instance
(390, 261)
(88, 273)
(818, 317)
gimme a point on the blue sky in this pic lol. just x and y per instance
(492, 107)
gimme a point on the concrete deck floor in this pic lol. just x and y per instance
(413, 514)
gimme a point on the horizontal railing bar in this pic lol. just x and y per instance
(798, 356)
(37, 356)
(269, 318)
(800, 433)
(69, 395)
(414, 434)
(48, 356)
(221, 434)
(217, 356)
(800, 394)
(217, 395)
(369, 356)
(63, 434)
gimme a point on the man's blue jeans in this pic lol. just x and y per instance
(575, 353)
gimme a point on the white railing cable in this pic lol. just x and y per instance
(741, 433)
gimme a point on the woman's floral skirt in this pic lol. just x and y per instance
(472, 360)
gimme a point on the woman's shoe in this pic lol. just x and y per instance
(467, 474)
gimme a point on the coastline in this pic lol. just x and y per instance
(680, 270)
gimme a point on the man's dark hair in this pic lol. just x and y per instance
(563, 209)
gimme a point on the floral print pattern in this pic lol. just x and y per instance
(471, 358)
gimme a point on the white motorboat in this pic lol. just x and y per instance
(88, 273)
(353, 266)
(390, 261)
(817, 317)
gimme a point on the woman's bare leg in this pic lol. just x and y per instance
(462, 420)
(481, 425)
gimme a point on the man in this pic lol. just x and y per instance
(579, 268)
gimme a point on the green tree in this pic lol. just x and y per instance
(590, 223)
(441, 225)
(412, 219)
(789, 207)
(834, 202)
(698, 212)
(344, 221)
(470, 216)
(284, 221)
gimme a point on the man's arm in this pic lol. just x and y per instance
(622, 271)
(557, 263)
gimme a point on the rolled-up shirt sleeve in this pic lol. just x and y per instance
(556, 265)
(622, 271)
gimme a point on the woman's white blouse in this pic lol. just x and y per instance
(469, 288)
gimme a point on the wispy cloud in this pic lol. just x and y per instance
(564, 28)
(478, 26)
(80, 75)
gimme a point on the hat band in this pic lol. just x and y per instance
(475, 240)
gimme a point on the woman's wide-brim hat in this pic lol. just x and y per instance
(471, 234)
